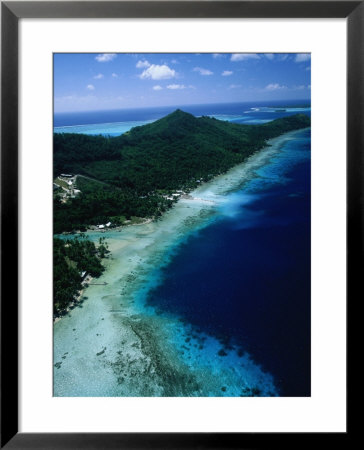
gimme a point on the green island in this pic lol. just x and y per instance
(142, 173)
(103, 182)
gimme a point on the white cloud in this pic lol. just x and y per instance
(157, 88)
(243, 56)
(99, 76)
(227, 73)
(282, 56)
(114, 75)
(65, 98)
(105, 57)
(74, 99)
(299, 88)
(156, 72)
(218, 55)
(234, 86)
(90, 87)
(274, 87)
(142, 64)
(174, 61)
(302, 57)
(202, 71)
(269, 56)
(176, 86)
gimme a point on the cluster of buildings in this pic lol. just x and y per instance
(174, 196)
(67, 184)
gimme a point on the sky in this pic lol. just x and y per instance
(105, 81)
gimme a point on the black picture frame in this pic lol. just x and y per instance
(11, 12)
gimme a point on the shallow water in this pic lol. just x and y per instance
(114, 123)
(118, 344)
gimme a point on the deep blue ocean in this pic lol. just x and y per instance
(249, 284)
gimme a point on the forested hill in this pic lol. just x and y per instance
(141, 167)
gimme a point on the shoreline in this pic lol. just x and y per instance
(266, 151)
(76, 301)
(125, 340)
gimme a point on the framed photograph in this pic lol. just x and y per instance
(182, 184)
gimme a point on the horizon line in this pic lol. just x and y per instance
(181, 105)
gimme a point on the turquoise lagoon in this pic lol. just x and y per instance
(137, 335)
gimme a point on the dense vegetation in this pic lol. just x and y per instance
(141, 167)
(72, 258)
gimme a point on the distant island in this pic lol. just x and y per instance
(289, 106)
(111, 181)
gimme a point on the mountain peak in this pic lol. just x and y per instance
(178, 118)
(179, 113)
